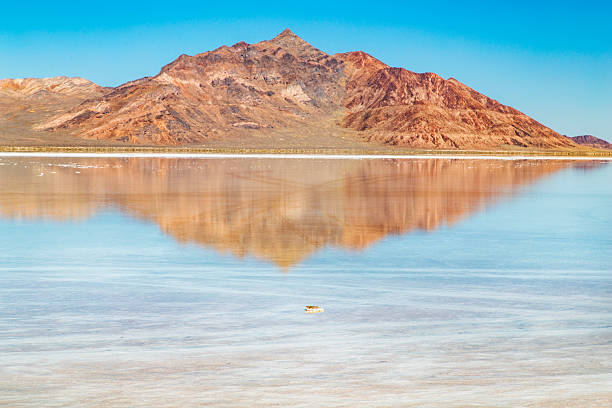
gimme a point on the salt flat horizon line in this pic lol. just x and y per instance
(292, 156)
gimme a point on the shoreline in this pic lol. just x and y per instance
(297, 156)
(323, 153)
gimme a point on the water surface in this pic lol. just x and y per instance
(182, 282)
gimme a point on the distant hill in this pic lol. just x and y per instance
(592, 141)
(285, 86)
(28, 102)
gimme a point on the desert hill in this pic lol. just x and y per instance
(26, 102)
(592, 141)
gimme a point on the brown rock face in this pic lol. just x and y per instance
(285, 84)
(592, 141)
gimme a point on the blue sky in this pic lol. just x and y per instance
(551, 60)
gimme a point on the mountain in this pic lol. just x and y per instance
(592, 141)
(286, 87)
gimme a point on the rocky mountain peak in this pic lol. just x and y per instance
(287, 33)
(289, 41)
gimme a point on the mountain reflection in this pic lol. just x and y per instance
(275, 209)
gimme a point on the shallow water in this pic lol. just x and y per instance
(182, 282)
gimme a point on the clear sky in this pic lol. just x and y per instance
(549, 59)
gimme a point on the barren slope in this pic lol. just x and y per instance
(402, 107)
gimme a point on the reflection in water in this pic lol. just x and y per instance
(275, 209)
(512, 309)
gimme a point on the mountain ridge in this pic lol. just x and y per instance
(287, 85)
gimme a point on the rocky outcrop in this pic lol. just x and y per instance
(286, 84)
